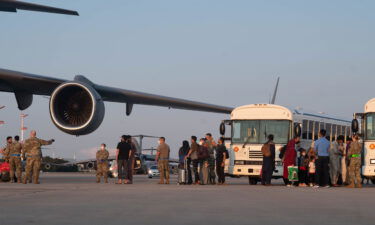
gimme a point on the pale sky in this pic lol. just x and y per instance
(221, 52)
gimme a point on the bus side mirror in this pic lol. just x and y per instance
(297, 130)
(222, 128)
(355, 126)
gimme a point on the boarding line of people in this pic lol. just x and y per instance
(30, 151)
(208, 156)
(320, 166)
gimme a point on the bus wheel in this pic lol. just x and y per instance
(373, 180)
(253, 181)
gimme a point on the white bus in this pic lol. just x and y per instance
(251, 124)
(368, 133)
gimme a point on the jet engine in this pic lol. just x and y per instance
(76, 108)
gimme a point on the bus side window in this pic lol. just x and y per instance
(311, 129)
(329, 131)
(305, 129)
(317, 129)
(339, 130)
(334, 132)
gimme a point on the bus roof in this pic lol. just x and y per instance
(277, 112)
(370, 106)
(321, 116)
(261, 111)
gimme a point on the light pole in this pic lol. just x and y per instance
(23, 128)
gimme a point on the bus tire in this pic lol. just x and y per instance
(373, 180)
(253, 181)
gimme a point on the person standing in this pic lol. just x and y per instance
(290, 158)
(312, 169)
(33, 154)
(15, 162)
(182, 153)
(221, 156)
(193, 155)
(102, 164)
(335, 153)
(211, 144)
(322, 146)
(303, 165)
(131, 161)
(268, 165)
(122, 157)
(204, 156)
(162, 158)
(7, 149)
(354, 154)
(345, 170)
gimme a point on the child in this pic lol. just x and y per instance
(311, 170)
(303, 163)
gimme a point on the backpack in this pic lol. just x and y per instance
(266, 150)
(203, 153)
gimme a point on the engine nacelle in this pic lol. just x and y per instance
(76, 108)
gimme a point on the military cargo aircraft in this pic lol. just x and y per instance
(77, 106)
(14, 5)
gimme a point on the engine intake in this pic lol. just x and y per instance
(76, 108)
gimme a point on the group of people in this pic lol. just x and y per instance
(207, 158)
(125, 158)
(30, 151)
(323, 165)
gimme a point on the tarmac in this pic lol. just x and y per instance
(75, 198)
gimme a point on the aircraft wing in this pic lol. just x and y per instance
(14, 5)
(25, 84)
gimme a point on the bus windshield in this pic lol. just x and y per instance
(256, 131)
(370, 126)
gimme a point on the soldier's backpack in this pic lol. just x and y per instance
(266, 150)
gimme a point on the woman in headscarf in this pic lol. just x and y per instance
(182, 153)
(290, 158)
(335, 153)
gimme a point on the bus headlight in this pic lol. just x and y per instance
(239, 162)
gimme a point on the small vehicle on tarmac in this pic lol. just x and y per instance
(153, 171)
(4, 172)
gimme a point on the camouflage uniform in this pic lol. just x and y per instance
(33, 153)
(354, 154)
(7, 150)
(15, 161)
(102, 165)
(211, 163)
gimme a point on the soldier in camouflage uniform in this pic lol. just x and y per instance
(354, 155)
(33, 153)
(7, 149)
(211, 160)
(15, 160)
(102, 164)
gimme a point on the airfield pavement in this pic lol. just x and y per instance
(74, 198)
